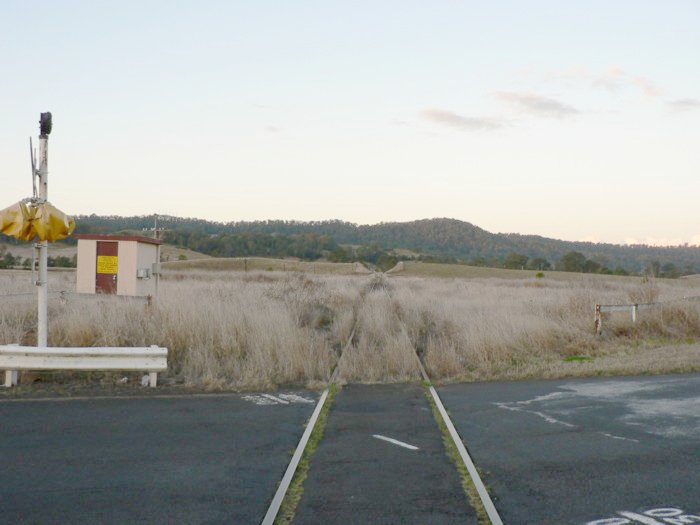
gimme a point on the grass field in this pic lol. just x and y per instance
(265, 328)
(420, 269)
(168, 252)
(249, 264)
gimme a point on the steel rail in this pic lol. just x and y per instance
(283, 487)
(484, 495)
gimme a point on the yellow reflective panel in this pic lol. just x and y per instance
(51, 224)
(16, 221)
(107, 264)
(24, 222)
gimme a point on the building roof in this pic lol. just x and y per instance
(105, 237)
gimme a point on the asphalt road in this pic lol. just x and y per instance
(592, 451)
(175, 460)
(355, 477)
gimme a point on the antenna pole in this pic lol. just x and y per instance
(42, 283)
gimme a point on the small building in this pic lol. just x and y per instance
(118, 264)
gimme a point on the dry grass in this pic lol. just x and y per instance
(168, 252)
(264, 328)
(463, 271)
(239, 330)
(511, 329)
(382, 350)
(251, 264)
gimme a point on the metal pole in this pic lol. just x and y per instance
(42, 283)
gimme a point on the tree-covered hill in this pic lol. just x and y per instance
(448, 238)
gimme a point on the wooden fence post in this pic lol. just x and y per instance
(598, 320)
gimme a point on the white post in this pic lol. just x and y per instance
(11, 378)
(157, 276)
(635, 307)
(42, 283)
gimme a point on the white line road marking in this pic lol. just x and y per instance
(280, 399)
(395, 442)
(640, 518)
(293, 398)
(547, 418)
(259, 400)
(618, 437)
(550, 419)
(668, 515)
(275, 399)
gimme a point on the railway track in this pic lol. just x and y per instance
(378, 283)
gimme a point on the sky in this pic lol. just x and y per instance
(572, 120)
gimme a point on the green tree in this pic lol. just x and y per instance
(515, 261)
(653, 268)
(386, 261)
(590, 266)
(670, 271)
(340, 254)
(539, 263)
(572, 262)
(8, 260)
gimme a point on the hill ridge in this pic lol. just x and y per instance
(441, 236)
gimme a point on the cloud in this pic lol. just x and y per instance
(273, 129)
(685, 104)
(616, 78)
(613, 79)
(448, 118)
(647, 86)
(538, 105)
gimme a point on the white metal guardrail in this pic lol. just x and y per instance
(151, 359)
(633, 309)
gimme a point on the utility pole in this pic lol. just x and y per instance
(45, 125)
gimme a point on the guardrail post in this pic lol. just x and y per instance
(11, 376)
(598, 320)
(152, 376)
(635, 309)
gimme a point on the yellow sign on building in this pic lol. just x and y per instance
(107, 264)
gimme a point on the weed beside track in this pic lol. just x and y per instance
(237, 330)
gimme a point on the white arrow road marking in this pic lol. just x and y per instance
(618, 437)
(640, 519)
(259, 400)
(395, 442)
(280, 399)
(293, 398)
(275, 399)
